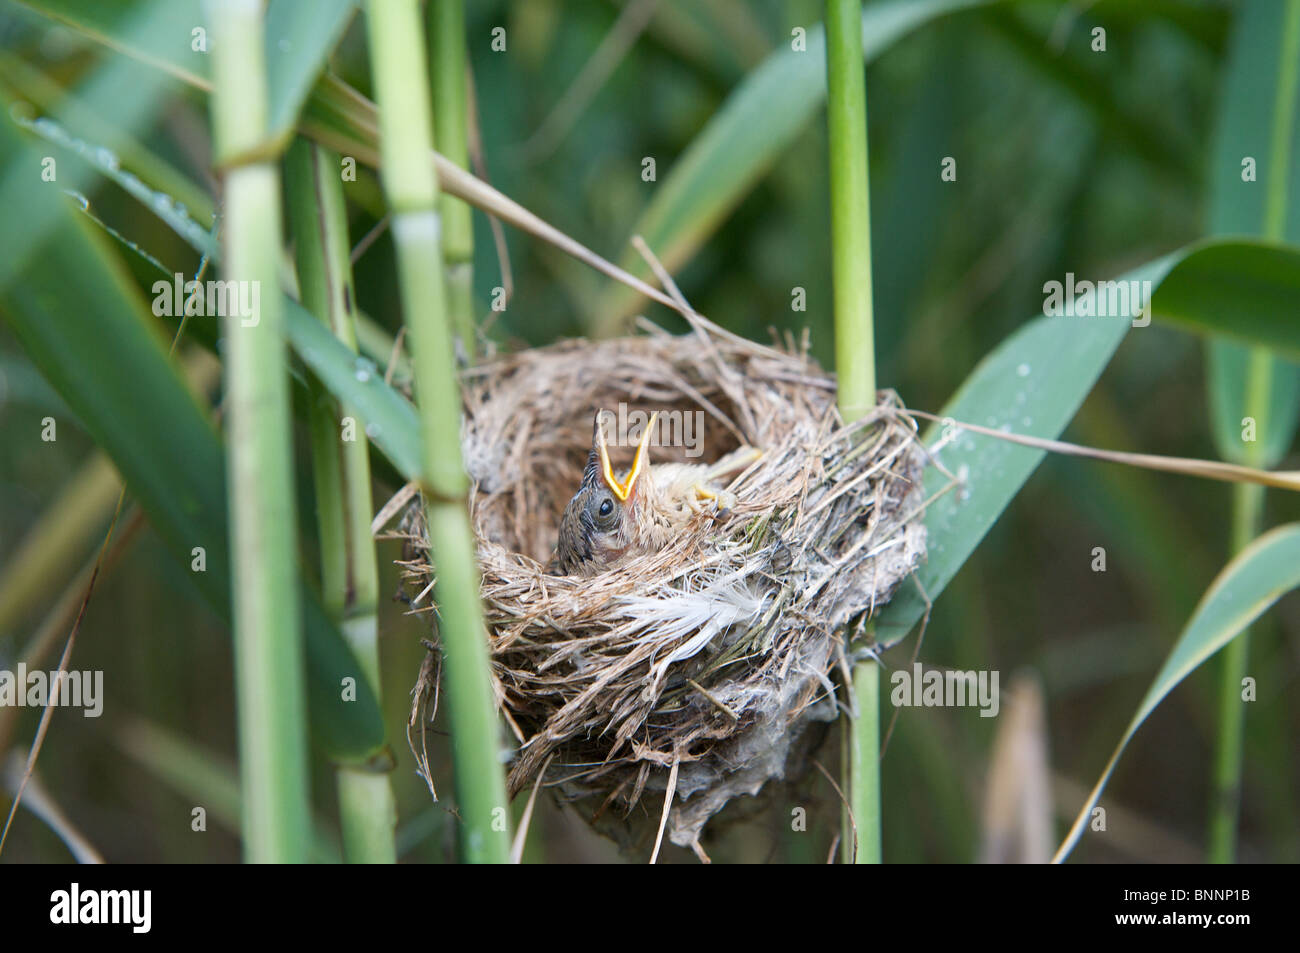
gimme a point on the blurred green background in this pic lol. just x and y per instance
(1068, 160)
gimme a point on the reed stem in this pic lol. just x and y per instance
(268, 638)
(865, 762)
(854, 352)
(855, 359)
(1247, 509)
(1247, 517)
(451, 132)
(406, 139)
(341, 471)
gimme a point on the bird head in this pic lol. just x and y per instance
(599, 523)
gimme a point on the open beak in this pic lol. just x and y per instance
(639, 465)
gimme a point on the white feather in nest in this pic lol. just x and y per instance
(728, 600)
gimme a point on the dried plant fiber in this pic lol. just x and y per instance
(718, 652)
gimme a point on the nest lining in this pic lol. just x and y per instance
(716, 653)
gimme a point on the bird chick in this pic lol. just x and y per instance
(612, 520)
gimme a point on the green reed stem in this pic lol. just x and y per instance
(854, 351)
(341, 471)
(855, 356)
(1247, 510)
(268, 637)
(864, 780)
(1229, 755)
(451, 132)
(406, 138)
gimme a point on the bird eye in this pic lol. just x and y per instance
(605, 512)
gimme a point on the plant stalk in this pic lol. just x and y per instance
(341, 472)
(406, 138)
(864, 780)
(854, 352)
(1247, 518)
(451, 132)
(1247, 513)
(846, 103)
(268, 638)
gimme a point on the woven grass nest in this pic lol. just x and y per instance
(719, 652)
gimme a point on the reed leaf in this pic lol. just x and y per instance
(761, 118)
(1034, 382)
(1261, 574)
(298, 38)
(109, 363)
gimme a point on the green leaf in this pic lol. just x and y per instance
(1259, 127)
(299, 38)
(1260, 575)
(123, 92)
(1034, 382)
(1258, 121)
(337, 116)
(391, 422)
(1246, 290)
(92, 342)
(105, 163)
(1232, 367)
(759, 120)
(101, 142)
(163, 36)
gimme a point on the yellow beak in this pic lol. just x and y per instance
(640, 462)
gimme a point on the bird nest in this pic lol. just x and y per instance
(696, 671)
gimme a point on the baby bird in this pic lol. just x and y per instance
(612, 520)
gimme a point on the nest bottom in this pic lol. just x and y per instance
(707, 662)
